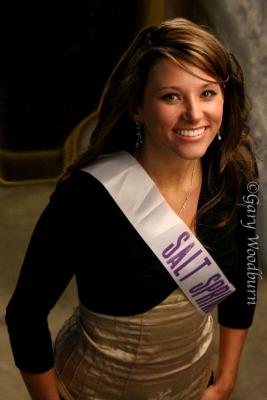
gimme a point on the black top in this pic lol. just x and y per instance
(83, 232)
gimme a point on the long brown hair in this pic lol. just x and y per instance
(228, 163)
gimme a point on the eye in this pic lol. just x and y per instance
(171, 97)
(208, 93)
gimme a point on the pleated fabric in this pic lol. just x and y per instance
(161, 354)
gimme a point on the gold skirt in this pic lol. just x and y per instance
(161, 354)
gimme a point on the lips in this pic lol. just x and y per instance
(190, 132)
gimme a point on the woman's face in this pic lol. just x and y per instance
(181, 113)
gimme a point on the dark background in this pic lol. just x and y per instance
(55, 59)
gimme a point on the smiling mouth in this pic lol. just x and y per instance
(190, 132)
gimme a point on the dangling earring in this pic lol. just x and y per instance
(219, 135)
(139, 136)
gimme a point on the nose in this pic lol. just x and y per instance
(192, 111)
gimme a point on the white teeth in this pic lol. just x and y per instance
(190, 132)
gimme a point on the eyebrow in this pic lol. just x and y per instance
(205, 85)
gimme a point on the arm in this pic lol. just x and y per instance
(231, 345)
(41, 386)
(46, 271)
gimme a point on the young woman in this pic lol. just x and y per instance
(152, 222)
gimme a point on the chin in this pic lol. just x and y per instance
(192, 155)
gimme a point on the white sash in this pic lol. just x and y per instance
(181, 253)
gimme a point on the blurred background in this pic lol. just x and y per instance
(55, 60)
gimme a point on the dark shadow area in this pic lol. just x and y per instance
(55, 59)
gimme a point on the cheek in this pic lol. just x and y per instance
(159, 115)
(166, 114)
(220, 109)
(216, 111)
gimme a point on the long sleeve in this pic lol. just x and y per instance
(45, 273)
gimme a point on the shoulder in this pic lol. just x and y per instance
(76, 201)
(77, 188)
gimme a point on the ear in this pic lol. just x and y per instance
(135, 113)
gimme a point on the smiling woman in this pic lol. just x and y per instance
(167, 167)
(179, 112)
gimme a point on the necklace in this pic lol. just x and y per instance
(188, 194)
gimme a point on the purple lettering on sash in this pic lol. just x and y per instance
(217, 292)
(176, 272)
(200, 286)
(171, 248)
(217, 300)
(205, 294)
(202, 300)
(173, 261)
(206, 262)
(209, 286)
